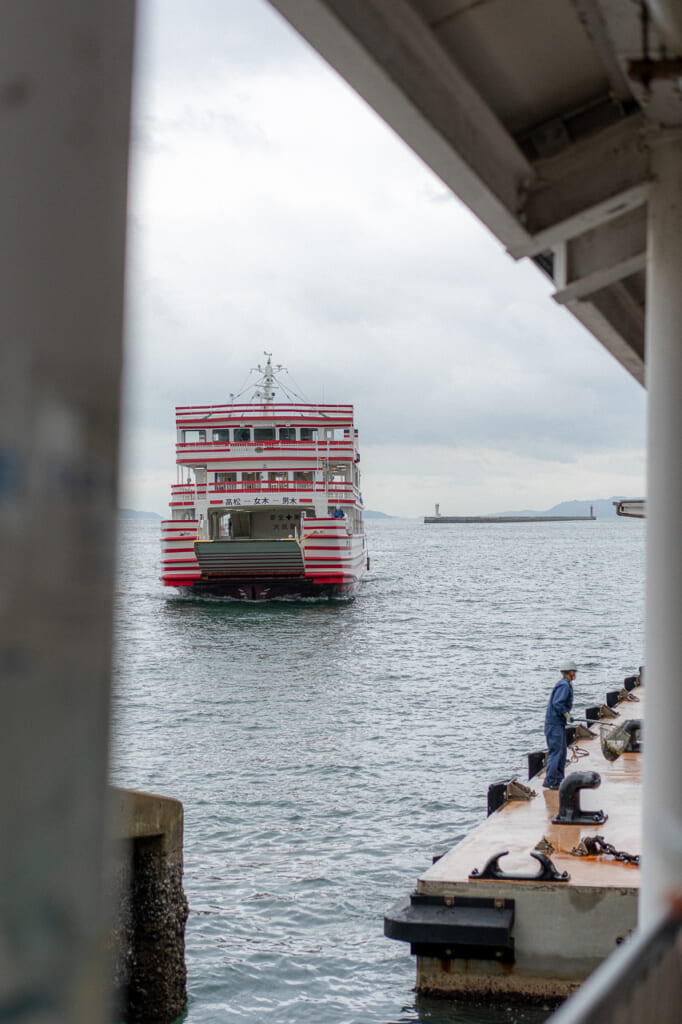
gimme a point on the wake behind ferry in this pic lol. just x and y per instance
(267, 503)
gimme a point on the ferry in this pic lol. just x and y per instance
(267, 502)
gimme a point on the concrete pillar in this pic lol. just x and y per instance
(65, 73)
(662, 787)
(148, 935)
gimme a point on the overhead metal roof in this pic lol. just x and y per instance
(539, 114)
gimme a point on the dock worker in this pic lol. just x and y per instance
(557, 716)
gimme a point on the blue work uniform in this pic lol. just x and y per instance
(560, 701)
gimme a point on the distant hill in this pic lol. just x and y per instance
(132, 513)
(603, 508)
(369, 514)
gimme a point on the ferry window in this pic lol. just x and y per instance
(309, 433)
(287, 433)
(242, 434)
(303, 475)
(264, 433)
(221, 435)
(193, 436)
(278, 474)
(251, 477)
(224, 479)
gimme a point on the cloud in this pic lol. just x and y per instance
(483, 481)
(272, 210)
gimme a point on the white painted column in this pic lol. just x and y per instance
(662, 788)
(65, 72)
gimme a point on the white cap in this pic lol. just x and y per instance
(568, 666)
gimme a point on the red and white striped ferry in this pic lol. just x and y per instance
(267, 502)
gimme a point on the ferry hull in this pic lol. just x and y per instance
(268, 590)
(330, 564)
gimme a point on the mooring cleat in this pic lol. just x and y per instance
(493, 871)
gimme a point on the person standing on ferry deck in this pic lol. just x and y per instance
(556, 718)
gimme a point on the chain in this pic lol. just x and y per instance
(576, 753)
(592, 846)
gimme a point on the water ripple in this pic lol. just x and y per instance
(325, 751)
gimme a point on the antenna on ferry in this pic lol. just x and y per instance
(266, 386)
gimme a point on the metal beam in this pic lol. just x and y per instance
(582, 287)
(658, 97)
(596, 180)
(609, 253)
(668, 16)
(609, 243)
(585, 219)
(594, 23)
(614, 322)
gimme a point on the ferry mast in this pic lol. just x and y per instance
(266, 385)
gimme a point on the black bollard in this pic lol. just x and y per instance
(570, 811)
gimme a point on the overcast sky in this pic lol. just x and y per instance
(272, 210)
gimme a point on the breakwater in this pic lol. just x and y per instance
(508, 519)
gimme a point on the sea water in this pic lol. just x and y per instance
(325, 751)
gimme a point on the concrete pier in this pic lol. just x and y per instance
(537, 933)
(147, 942)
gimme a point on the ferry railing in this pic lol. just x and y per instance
(341, 493)
(189, 491)
(246, 411)
(246, 486)
(639, 982)
(331, 448)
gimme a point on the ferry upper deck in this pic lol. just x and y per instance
(250, 453)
